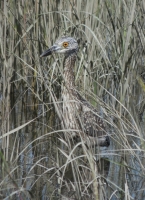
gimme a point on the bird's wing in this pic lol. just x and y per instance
(92, 124)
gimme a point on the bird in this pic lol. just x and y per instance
(77, 112)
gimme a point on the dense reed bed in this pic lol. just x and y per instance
(37, 160)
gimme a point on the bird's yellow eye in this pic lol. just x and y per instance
(65, 44)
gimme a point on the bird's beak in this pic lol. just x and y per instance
(50, 51)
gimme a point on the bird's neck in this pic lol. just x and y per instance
(69, 67)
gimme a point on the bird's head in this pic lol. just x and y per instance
(64, 45)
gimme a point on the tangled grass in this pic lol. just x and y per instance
(37, 160)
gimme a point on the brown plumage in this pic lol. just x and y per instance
(78, 114)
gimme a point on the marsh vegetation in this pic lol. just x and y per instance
(37, 161)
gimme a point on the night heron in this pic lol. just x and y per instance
(77, 112)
